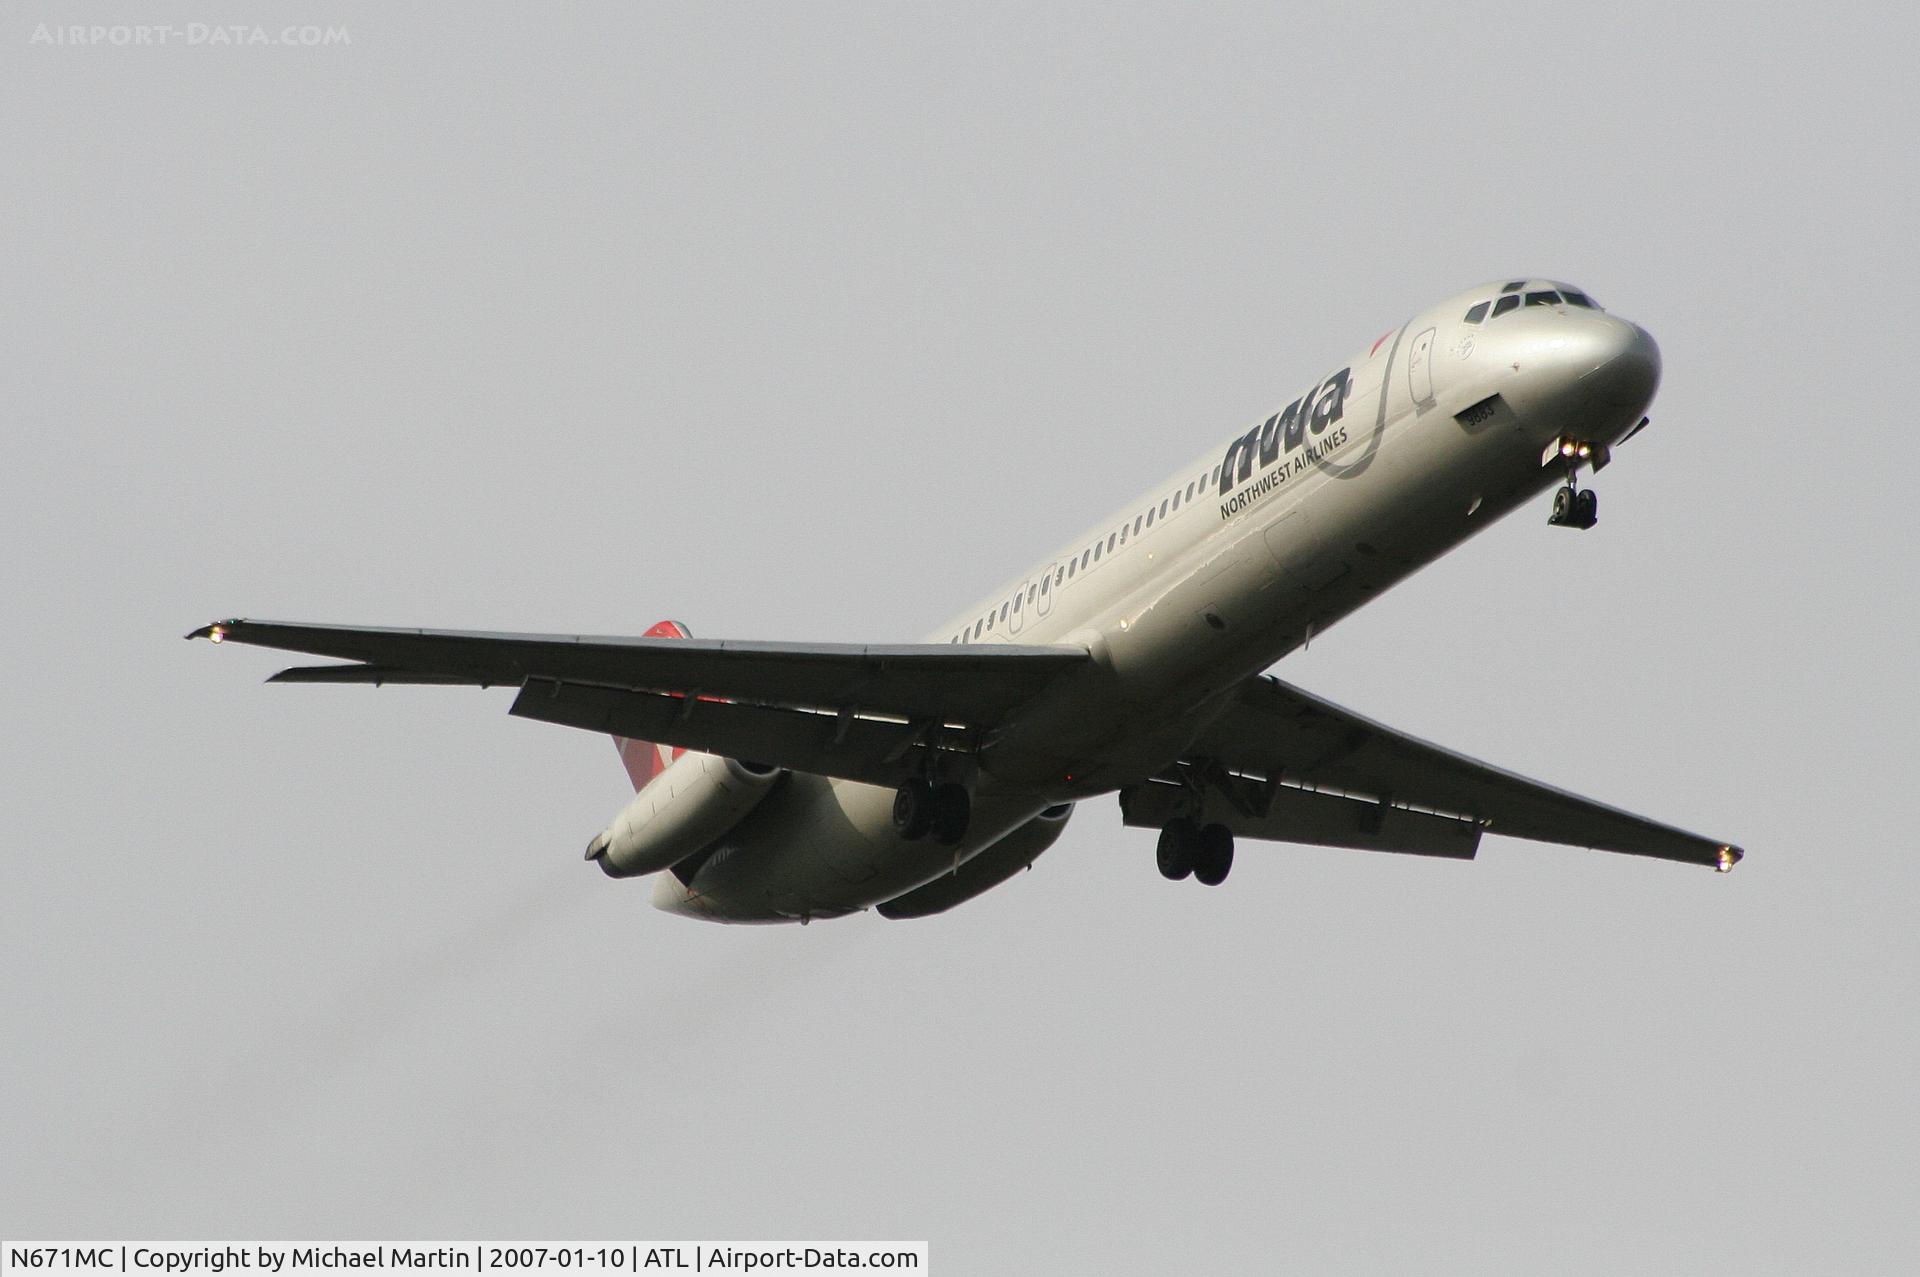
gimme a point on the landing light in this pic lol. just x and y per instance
(217, 633)
(1725, 860)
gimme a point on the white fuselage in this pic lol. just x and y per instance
(1389, 461)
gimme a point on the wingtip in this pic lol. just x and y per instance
(1729, 857)
(217, 631)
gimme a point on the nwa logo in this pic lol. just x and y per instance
(1286, 430)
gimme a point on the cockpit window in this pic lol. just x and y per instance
(1513, 285)
(1579, 299)
(1478, 313)
(1510, 302)
(1548, 298)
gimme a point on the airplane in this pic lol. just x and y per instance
(784, 782)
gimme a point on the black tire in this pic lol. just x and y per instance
(1213, 855)
(913, 810)
(1563, 503)
(1175, 854)
(952, 810)
(1587, 507)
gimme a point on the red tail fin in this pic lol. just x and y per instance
(643, 759)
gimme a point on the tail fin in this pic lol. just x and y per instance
(643, 759)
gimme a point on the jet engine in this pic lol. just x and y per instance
(684, 810)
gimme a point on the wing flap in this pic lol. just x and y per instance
(1282, 813)
(375, 674)
(848, 746)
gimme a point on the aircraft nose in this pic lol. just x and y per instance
(1619, 362)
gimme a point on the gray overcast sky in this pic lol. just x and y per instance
(816, 322)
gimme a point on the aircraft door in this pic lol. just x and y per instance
(1017, 617)
(1043, 602)
(1420, 371)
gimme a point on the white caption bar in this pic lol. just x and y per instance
(202, 1259)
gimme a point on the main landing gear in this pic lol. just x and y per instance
(921, 807)
(1205, 851)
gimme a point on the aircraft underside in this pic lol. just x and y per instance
(794, 781)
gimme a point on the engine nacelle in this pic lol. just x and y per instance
(682, 811)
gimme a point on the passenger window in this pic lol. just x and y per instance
(1096, 554)
(1016, 604)
(1176, 500)
(1579, 299)
(1004, 609)
(1059, 575)
(1163, 509)
(1030, 591)
(1046, 583)
(1111, 538)
(1138, 520)
(1548, 298)
(1071, 565)
(1478, 313)
(1216, 475)
(1505, 304)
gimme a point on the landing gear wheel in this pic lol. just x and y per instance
(952, 809)
(1213, 857)
(913, 810)
(1586, 509)
(1564, 502)
(1175, 854)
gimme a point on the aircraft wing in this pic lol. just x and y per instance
(1301, 769)
(846, 710)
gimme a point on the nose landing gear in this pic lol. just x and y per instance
(1573, 508)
